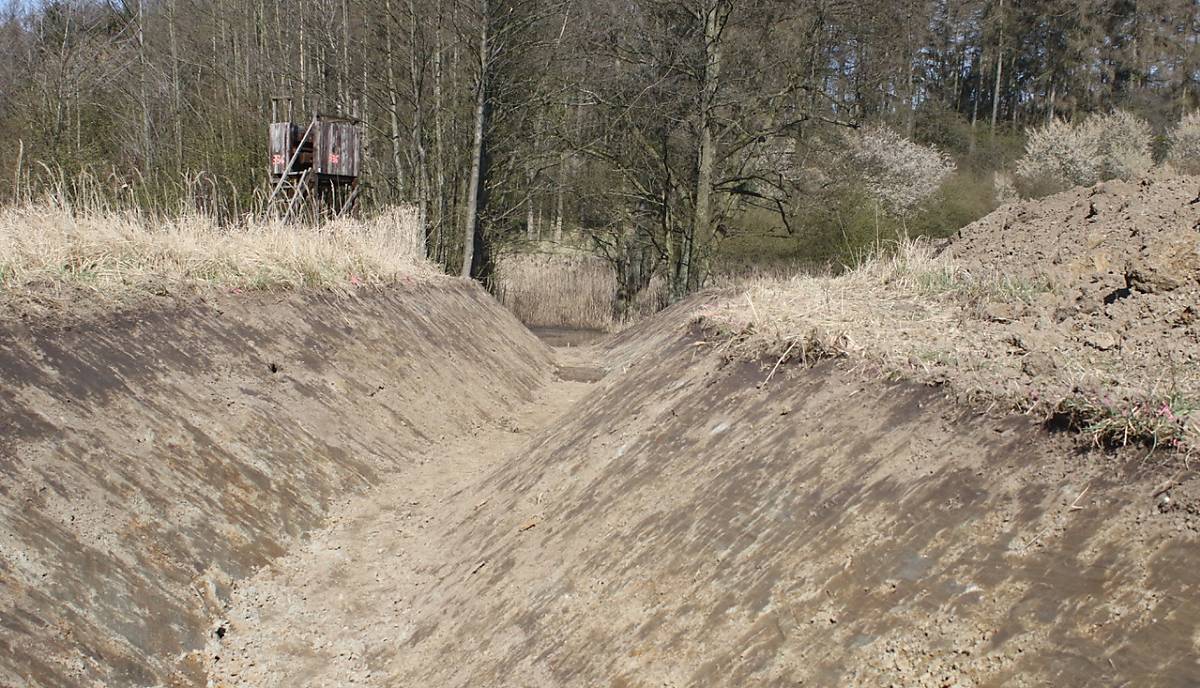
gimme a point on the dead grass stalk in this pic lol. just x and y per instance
(557, 290)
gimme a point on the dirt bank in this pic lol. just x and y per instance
(687, 524)
(150, 459)
(659, 508)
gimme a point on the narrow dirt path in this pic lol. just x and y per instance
(331, 611)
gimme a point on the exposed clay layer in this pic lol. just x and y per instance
(150, 460)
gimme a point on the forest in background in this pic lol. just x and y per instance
(667, 136)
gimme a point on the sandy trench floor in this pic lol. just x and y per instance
(336, 609)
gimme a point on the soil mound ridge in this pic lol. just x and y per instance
(1089, 242)
(1112, 278)
(1119, 262)
(1079, 309)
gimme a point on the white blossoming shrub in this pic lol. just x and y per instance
(1184, 153)
(1061, 154)
(1124, 143)
(897, 172)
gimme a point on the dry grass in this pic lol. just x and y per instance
(914, 315)
(46, 244)
(870, 309)
(570, 289)
(655, 297)
(559, 290)
(563, 290)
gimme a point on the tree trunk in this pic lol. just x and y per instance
(715, 15)
(999, 72)
(393, 99)
(176, 86)
(558, 201)
(975, 103)
(1050, 106)
(144, 65)
(529, 215)
(439, 161)
(471, 238)
(418, 130)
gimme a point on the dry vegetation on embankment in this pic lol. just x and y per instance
(47, 248)
(557, 290)
(570, 289)
(1080, 309)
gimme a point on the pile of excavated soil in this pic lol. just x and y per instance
(1107, 243)
(1114, 277)
(1120, 263)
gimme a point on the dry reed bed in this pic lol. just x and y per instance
(43, 245)
(557, 290)
(571, 290)
(913, 315)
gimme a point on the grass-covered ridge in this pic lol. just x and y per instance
(47, 244)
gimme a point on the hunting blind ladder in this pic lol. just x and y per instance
(314, 166)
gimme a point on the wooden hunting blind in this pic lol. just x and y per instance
(315, 164)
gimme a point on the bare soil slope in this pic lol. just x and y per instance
(701, 521)
(152, 458)
(685, 524)
(647, 511)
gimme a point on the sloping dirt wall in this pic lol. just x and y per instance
(697, 527)
(150, 459)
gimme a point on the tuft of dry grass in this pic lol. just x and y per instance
(810, 318)
(1154, 420)
(653, 298)
(915, 315)
(47, 244)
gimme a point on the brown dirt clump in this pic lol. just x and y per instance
(1120, 262)
(1119, 269)
(1089, 242)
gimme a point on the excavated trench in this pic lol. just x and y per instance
(409, 488)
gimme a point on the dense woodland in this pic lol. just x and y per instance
(655, 132)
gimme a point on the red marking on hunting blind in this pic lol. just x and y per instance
(334, 158)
